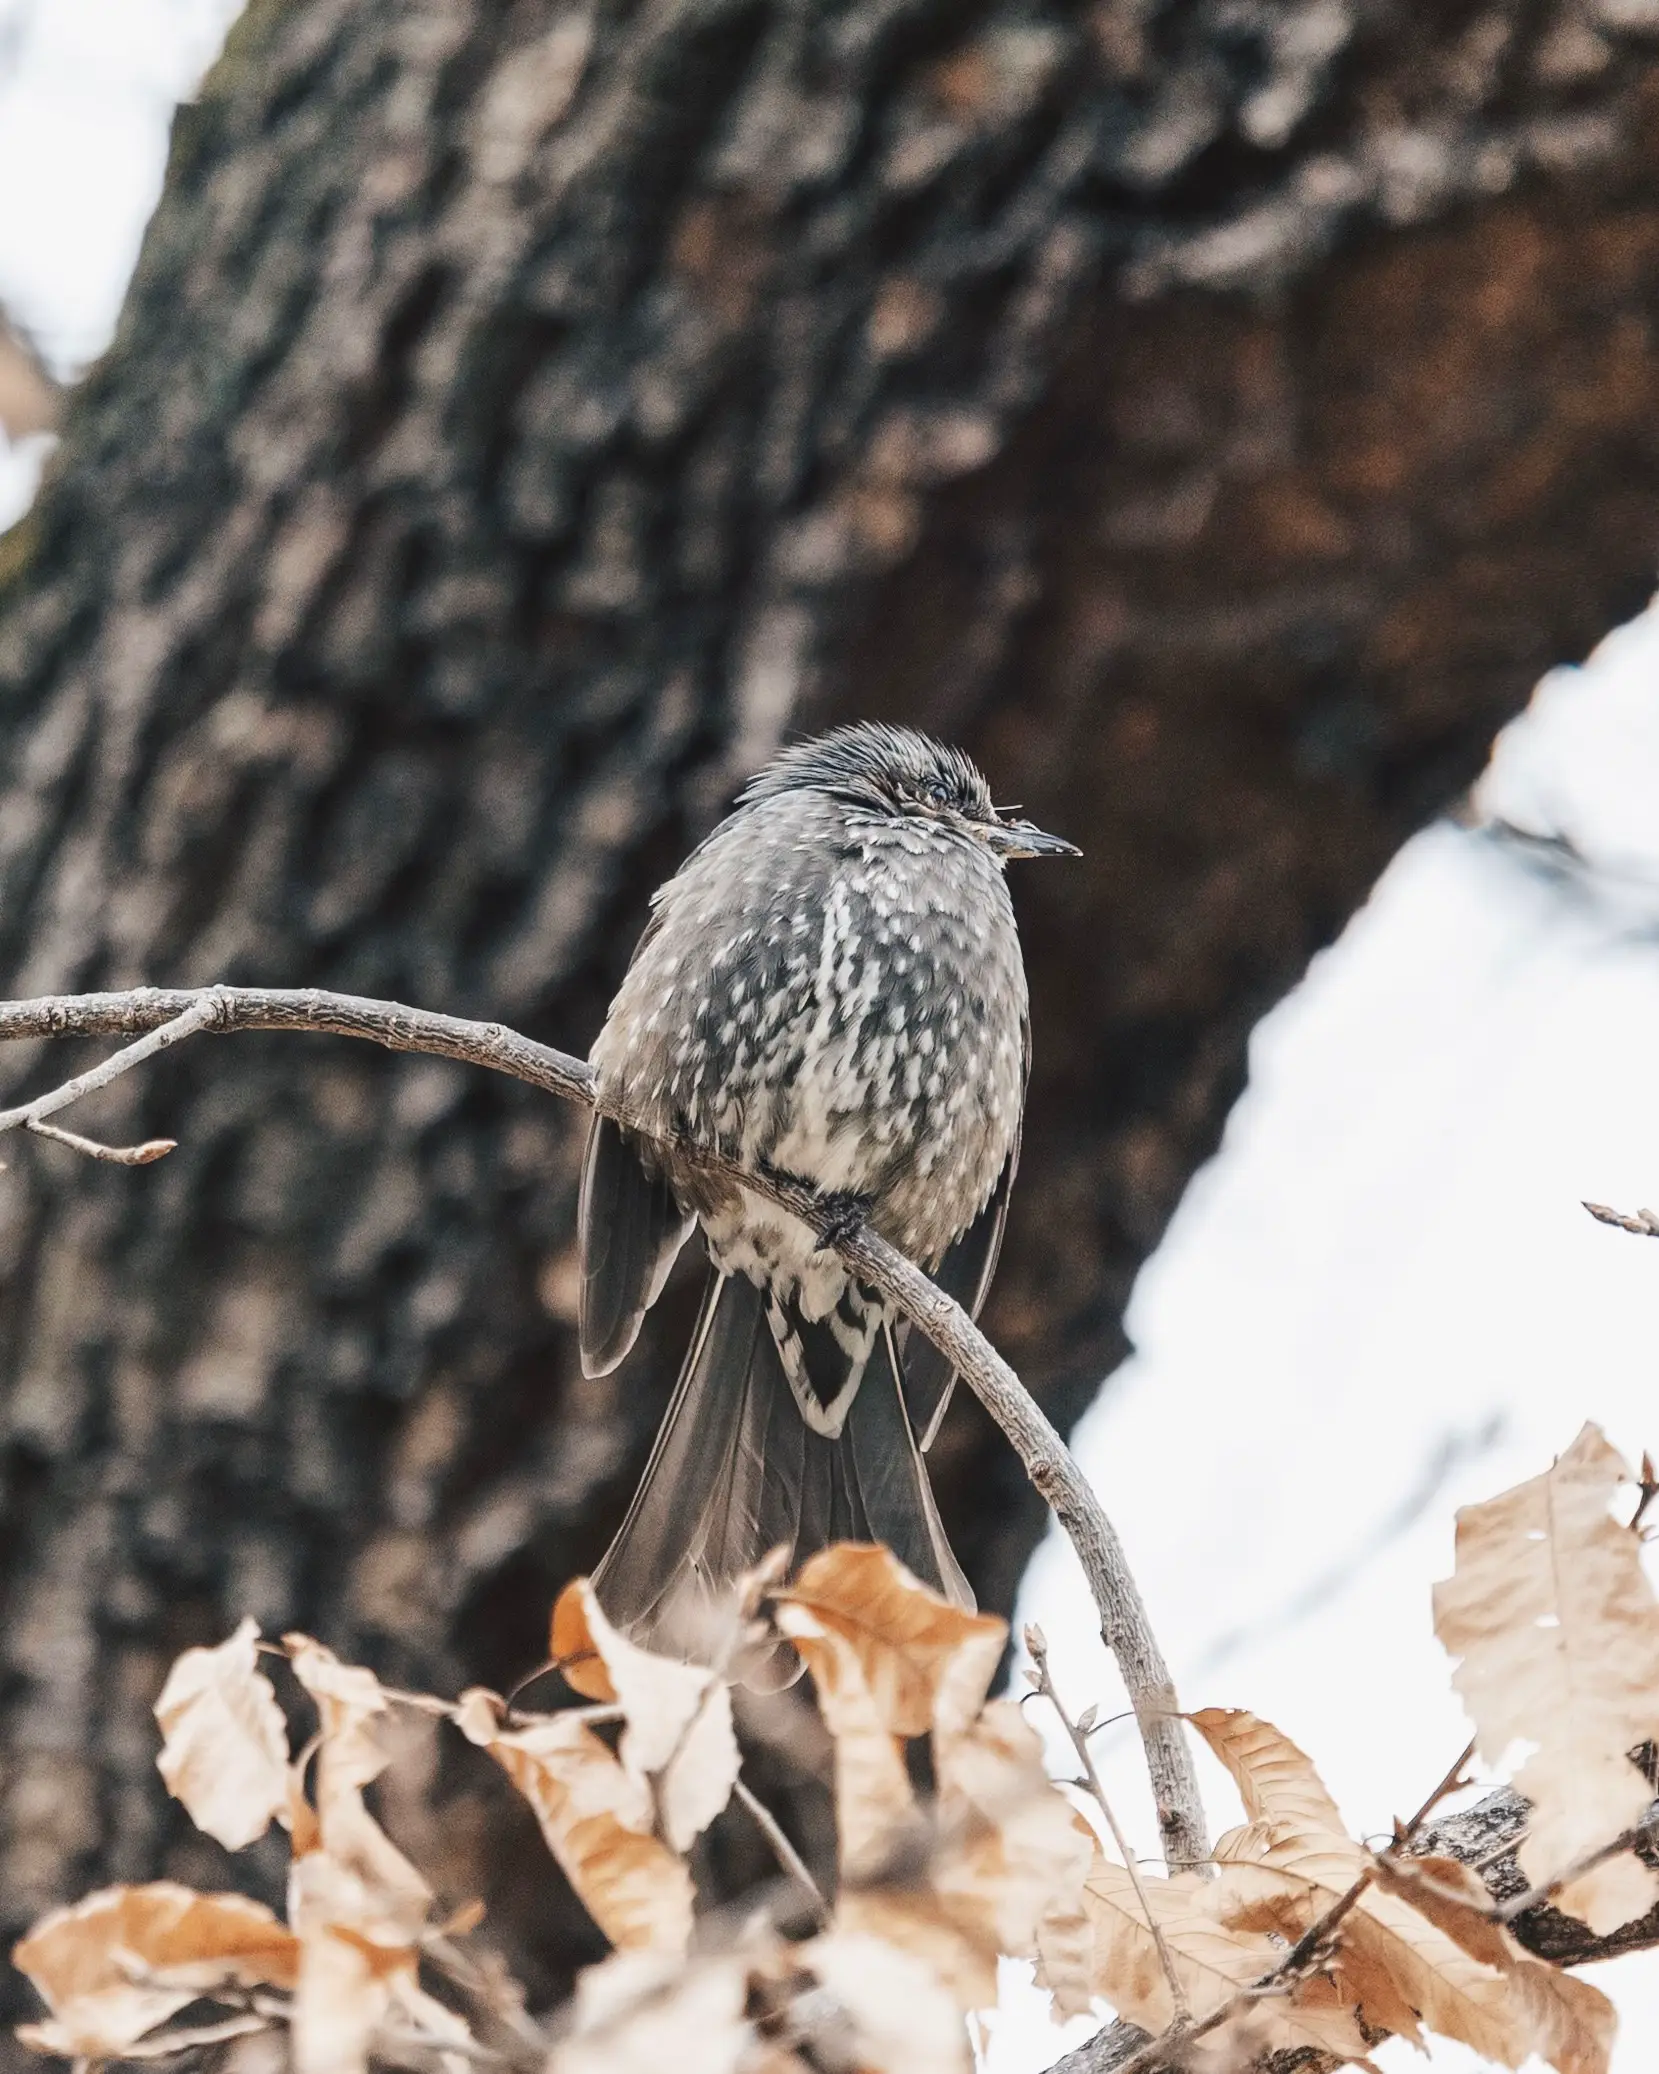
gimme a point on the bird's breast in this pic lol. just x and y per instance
(853, 1019)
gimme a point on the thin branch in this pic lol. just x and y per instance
(1170, 2049)
(115, 1155)
(1407, 1833)
(1048, 1463)
(1644, 1223)
(1042, 1678)
(782, 1849)
(199, 1011)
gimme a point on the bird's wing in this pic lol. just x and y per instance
(629, 1228)
(965, 1273)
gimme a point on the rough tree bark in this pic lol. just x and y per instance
(1215, 414)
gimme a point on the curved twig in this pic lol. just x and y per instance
(159, 1018)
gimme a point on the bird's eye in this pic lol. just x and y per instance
(936, 792)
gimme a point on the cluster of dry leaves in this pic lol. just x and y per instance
(1297, 1936)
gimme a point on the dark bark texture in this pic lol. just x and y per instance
(1215, 415)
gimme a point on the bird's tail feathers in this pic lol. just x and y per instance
(737, 1471)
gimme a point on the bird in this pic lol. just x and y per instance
(830, 988)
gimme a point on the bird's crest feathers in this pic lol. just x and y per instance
(897, 765)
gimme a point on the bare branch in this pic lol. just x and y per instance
(169, 1015)
(115, 1155)
(200, 1010)
(1645, 1223)
(782, 1849)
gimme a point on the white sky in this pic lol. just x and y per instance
(1381, 1300)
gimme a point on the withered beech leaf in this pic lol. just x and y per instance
(350, 1953)
(875, 1809)
(597, 1819)
(348, 1757)
(1004, 1862)
(83, 1960)
(1400, 1968)
(1248, 1841)
(572, 1647)
(1275, 1780)
(907, 1637)
(678, 1717)
(348, 1698)
(1212, 1959)
(224, 1743)
(912, 1916)
(1557, 1632)
(1013, 1851)
(1574, 2022)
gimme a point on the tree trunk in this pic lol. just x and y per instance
(1214, 415)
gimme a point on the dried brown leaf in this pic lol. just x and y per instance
(350, 1952)
(572, 1647)
(163, 2045)
(1573, 2022)
(1247, 1842)
(1400, 1968)
(1003, 1869)
(1275, 1780)
(348, 1698)
(914, 1918)
(123, 1960)
(1014, 1852)
(597, 1819)
(225, 1746)
(1557, 1630)
(679, 1731)
(1212, 1959)
(348, 1756)
(914, 1646)
(875, 1808)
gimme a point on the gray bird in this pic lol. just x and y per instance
(830, 987)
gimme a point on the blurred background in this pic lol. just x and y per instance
(1227, 420)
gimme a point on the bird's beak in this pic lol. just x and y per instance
(1022, 839)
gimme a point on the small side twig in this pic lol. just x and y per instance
(1645, 1223)
(1647, 1491)
(782, 1849)
(115, 1155)
(202, 1011)
(1042, 1679)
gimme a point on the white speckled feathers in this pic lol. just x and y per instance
(839, 997)
(831, 988)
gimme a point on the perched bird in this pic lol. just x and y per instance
(830, 988)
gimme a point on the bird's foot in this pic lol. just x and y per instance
(845, 1216)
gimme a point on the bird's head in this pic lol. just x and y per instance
(896, 772)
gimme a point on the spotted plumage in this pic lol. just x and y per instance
(830, 987)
